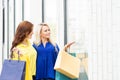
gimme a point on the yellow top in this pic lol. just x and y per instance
(28, 55)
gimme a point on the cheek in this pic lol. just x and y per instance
(30, 35)
(43, 34)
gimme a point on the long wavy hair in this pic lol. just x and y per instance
(37, 32)
(23, 30)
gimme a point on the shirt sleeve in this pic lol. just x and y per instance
(56, 51)
(34, 46)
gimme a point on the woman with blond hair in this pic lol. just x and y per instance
(46, 53)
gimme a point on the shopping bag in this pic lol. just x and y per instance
(13, 70)
(60, 76)
(67, 65)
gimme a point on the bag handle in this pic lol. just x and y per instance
(18, 55)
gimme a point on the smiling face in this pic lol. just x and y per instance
(45, 32)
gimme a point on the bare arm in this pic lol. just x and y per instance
(67, 46)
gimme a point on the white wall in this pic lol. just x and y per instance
(55, 18)
(99, 20)
(35, 10)
(60, 24)
(0, 35)
(103, 39)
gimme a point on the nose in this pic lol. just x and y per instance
(48, 31)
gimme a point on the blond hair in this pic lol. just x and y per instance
(37, 38)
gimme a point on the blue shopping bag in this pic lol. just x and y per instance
(13, 70)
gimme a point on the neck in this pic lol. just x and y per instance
(25, 42)
(44, 41)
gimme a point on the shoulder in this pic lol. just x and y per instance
(36, 46)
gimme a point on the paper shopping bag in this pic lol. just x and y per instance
(67, 65)
(13, 70)
(60, 76)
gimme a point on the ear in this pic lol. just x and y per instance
(27, 34)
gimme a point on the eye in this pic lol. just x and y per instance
(48, 29)
(45, 30)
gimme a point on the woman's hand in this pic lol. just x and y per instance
(68, 45)
(16, 50)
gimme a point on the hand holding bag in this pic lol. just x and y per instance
(13, 70)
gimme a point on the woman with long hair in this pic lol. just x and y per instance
(22, 44)
(47, 51)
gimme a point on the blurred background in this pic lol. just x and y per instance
(93, 24)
